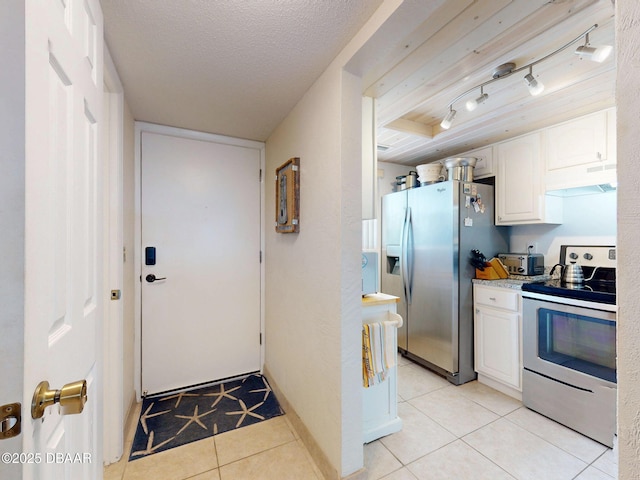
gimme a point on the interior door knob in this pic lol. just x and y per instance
(152, 278)
(71, 397)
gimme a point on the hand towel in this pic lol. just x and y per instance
(390, 352)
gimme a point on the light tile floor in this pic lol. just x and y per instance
(468, 432)
(267, 450)
(474, 432)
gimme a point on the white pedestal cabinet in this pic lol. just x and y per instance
(380, 402)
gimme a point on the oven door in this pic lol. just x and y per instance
(569, 342)
(569, 359)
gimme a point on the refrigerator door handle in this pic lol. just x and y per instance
(405, 259)
(403, 253)
(409, 256)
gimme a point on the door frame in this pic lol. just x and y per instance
(140, 128)
(114, 409)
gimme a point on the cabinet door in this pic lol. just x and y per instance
(497, 345)
(581, 152)
(579, 142)
(519, 192)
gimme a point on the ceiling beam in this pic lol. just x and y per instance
(411, 127)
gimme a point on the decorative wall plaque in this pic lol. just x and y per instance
(288, 196)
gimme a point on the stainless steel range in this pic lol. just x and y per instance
(569, 345)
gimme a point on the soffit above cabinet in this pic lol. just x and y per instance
(459, 46)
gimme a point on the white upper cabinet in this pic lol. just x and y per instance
(581, 152)
(520, 191)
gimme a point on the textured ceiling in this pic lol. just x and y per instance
(232, 67)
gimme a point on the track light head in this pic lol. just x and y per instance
(595, 54)
(446, 122)
(473, 104)
(535, 87)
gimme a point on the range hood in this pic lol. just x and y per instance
(584, 190)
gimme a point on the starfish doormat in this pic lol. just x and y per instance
(175, 419)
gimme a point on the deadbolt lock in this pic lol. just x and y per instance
(71, 398)
(10, 420)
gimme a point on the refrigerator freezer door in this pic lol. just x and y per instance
(433, 312)
(394, 212)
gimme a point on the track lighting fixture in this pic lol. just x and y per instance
(597, 54)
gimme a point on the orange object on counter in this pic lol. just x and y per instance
(488, 273)
(499, 268)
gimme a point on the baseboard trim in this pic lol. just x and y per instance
(322, 462)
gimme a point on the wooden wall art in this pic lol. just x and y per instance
(288, 196)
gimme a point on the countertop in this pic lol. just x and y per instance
(513, 281)
(378, 299)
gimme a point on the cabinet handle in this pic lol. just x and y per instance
(493, 299)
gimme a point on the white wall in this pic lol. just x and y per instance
(128, 290)
(313, 285)
(587, 220)
(628, 144)
(12, 210)
(387, 173)
(312, 308)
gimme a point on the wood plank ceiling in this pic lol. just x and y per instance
(459, 46)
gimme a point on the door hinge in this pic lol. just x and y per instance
(260, 256)
(260, 176)
(260, 338)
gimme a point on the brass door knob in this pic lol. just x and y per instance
(71, 397)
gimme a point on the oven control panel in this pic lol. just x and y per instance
(589, 255)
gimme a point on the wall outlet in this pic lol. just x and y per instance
(531, 247)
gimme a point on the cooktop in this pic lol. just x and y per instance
(600, 291)
(598, 265)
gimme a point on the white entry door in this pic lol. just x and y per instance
(201, 242)
(63, 230)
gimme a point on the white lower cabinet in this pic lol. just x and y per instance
(498, 338)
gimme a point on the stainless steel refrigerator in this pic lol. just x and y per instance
(427, 235)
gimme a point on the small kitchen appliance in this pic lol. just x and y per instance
(569, 344)
(523, 263)
(407, 181)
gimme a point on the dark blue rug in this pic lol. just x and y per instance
(174, 419)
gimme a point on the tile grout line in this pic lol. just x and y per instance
(557, 446)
